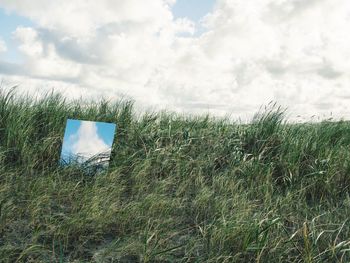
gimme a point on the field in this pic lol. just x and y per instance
(178, 188)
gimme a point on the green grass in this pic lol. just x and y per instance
(178, 188)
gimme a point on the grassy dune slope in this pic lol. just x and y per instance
(179, 189)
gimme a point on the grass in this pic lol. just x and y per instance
(178, 188)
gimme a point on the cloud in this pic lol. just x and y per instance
(41, 58)
(82, 18)
(86, 142)
(293, 52)
(3, 47)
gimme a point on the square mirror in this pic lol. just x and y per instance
(87, 143)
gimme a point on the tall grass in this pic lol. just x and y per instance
(178, 189)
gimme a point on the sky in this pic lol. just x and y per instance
(224, 57)
(87, 138)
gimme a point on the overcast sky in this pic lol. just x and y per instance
(223, 56)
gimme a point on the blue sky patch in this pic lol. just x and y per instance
(192, 9)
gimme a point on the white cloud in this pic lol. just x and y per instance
(82, 18)
(86, 142)
(41, 57)
(3, 47)
(294, 52)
